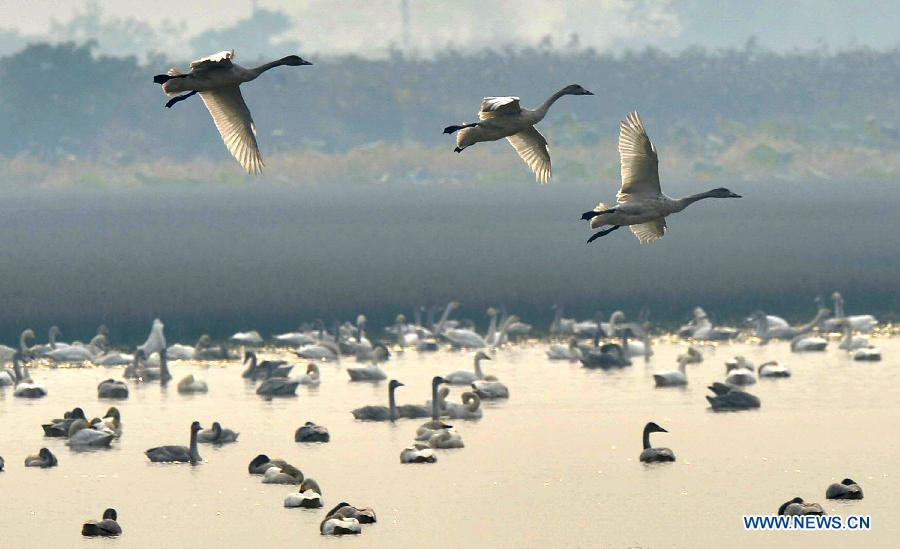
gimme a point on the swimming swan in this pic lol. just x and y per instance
(640, 203)
(490, 388)
(365, 515)
(217, 435)
(81, 435)
(311, 377)
(288, 474)
(43, 459)
(469, 409)
(105, 527)
(262, 463)
(381, 413)
(772, 369)
(113, 389)
(446, 439)
(463, 377)
(310, 432)
(654, 455)
(847, 489)
(729, 398)
(672, 378)
(503, 117)
(308, 496)
(417, 453)
(191, 384)
(564, 352)
(25, 386)
(178, 454)
(218, 81)
(797, 506)
(338, 525)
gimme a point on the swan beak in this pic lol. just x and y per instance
(305, 62)
(735, 195)
(663, 430)
(588, 92)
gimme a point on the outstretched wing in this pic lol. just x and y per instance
(497, 106)
(221, 59)
(532, 147)
(640, 165)
(233, 120)
(650, 231)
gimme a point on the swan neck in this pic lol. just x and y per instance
(541, 111)
(256, 71)
(392, 403)
(440, 325)
(435, 403)
(195, 455)
(164, 375)
(683, 203)
(17, 368)
(646, 437)
(23, 343)
(478, 373)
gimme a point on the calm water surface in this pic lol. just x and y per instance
(555, 466)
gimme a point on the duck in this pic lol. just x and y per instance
(568, 352)
(191, 385)
(288, 474)
(112, 389)
(81, 435)
(310, 432)
(381, 413)
(311, 378)
(846, 489)
(503, 117)
(217, 435)
(43, 459)
(308, 496)
(105, 527)
(640, 203)
(654, 455)
(365, 515)
(469, 409)
(797, 506)
(730, 398)
(178, 454)
(773, 369)
(672, 378)
(463, 377)
(338, 525)
(418, 453)
(262, 463)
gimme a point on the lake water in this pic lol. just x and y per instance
(555, 466)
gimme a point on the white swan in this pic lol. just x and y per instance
(295, 339)
(872, 354)
(324, 350)
(25, 386)
(740, 371)
(446, 439)
(156, 341)
(490, 388)
(191, 384)
(417, 453)
(113, 358)
(311, 377)
(773, 369)
(469, 409)
(766, 332)
(858, 323)
(702, 329)
(806, 343)
(570, 352)
(464, 377)
(251, 337)
(852, 342)
(640, 203)
(503, 117)
(218, 81)
(672, 378)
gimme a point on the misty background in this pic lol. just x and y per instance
(117, 210)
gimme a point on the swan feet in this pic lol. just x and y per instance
(177, 99)
(453, 129)
(604, 232)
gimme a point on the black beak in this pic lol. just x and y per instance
(588, 92)
(305, 62)
(735, 195)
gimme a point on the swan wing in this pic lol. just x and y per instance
(533, 149)
(233, 120)
(221, 59)
(496, 106)
(650, 231)
(640, 165)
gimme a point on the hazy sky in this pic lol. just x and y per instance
(369, 27)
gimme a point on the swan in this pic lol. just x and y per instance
(729, 398)
(847, 489)
(338, 525)
(766, 332)
(381, 413)
(739, 372)
(469, 409)
(490, 388)
(113, 358)
(640, 203)
(797, 506)
(308, 496)
(371, 372)
(142, 370)
(691, 356)
(178, 454)
(280, 368)
(112, 388)
(156, 341)
(7, 379)
(463, 377)
(191, 384)
(276, 385)
(365, 515)
(247, 338)
(218, 81)
(217, 435)
(569, 352)
(417, 453)
(503, 117)
(323, 350)
(82, 435)
(262, 463)
(653, 455)
(310, 432)
(41, 350)
(25, 386)
(59, 428)
(435, 426)
(808, 343)
(464, 338)
(283, 475)
(772, 369)
(446, 439)
(852, 342)
(106, 527)
(560, 325)
(295, 339)
(702, 329)
(111, 421)
(859, 323)
(672, 378)
(498, 339)
(74, 353)
(609, 355)
(311, 377)
(43, 459)
(631, 347)
(869, 354)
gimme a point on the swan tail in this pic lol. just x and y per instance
(454, 129)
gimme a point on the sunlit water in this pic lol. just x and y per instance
(556, 465)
